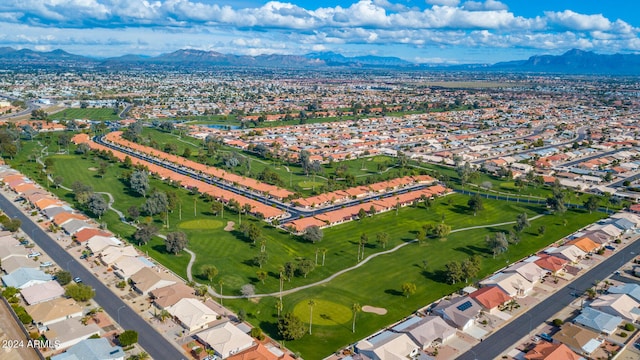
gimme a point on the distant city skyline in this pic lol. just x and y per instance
(422, 31)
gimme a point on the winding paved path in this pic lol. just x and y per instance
(335, 275)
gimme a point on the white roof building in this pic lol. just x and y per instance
(618, 304)
(192, 314)
(529, 270)
(226, 339)
(512, 283)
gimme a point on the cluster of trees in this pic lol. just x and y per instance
(302, 266)
(133, 132)
(145, 233)
(440, 230)
(9, 141)
(458, 271)
(176, 242)
(313, 234)
(251, 231)
(291, 327)
(85, 195)
(556, 200)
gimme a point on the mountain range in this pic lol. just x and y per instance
(572, 62)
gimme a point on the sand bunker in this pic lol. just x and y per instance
(375, 310)
(229, 226)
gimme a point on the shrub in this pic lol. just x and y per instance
(557, 322)
(128, 337)
(623, 334)
(257, 333)
(629, 327)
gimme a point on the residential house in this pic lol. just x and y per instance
(125, 266)
(610, 229)
(25, 277)
(92, 349)
(147, 280)
(633, 217)
(112, 254)
(169, 295)
(14, 263)
(226, 339)
(38, 293)
(552, 264)
(98, 243)
(491, 298)
(632, 290)
(621, 305)
(623, 224)
(9, 250)
(85, 235)
(570, 253)
(514, 284)
(551, 351)
(529, 270)
(427, 331)
(581, 340)
(598, 320)
(585, 244)
(261, 352)
(388, 346)
(69, 332)
(192, 314)
(73, 226)
(598, 237)
(461, 312)
(50, 312)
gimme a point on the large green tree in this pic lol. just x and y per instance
(291, 327)
(176, 242)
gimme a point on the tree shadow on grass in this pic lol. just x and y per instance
(439, 276)
(160, 248)
(271, 329)
(461, 209)
(394, 292)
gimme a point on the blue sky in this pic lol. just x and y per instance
(426, 31)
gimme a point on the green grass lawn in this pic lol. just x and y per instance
(377, 283)
(370, 169)
(88, 113)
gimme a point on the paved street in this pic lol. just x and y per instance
(500, 341)
(154, 343)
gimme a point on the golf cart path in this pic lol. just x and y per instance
(335, 275)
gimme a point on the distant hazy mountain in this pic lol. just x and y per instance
(571, 62)
(331, 58)
(576, 62)
(8, 54)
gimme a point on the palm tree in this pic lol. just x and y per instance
(220, 282)
(279, 306)
(356, 309)
(163, 315)
(324, 253)
(311, 303)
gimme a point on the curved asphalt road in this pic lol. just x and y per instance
(153, 342)
(495, 345)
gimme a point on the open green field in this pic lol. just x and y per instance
(377, 283)
(87, 113)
